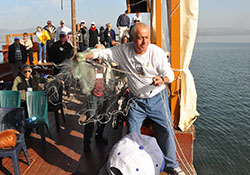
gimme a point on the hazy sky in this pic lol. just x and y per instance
(20, 14)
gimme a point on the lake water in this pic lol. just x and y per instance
(222, 77)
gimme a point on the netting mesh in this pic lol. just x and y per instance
(79, 79)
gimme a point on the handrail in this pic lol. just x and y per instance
(14, 35)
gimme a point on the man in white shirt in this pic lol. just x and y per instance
(136, 17)
(148, 70)
(62, 28)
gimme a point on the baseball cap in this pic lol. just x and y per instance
(62, 34)
(82, 21)
(137, 19)
(93, 23)
(136, 154)
(16, 38)
(62, 22)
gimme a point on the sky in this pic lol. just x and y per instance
(23, 14)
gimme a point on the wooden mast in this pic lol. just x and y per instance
(158, 25)
(175, 60)
(73, 18)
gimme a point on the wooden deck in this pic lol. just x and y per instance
(64, 151)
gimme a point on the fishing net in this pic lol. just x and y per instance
(79, 79)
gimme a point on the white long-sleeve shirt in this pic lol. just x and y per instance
(62, 29)
(141, 68)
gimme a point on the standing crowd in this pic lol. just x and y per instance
(55, 45)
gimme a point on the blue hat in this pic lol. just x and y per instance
(16, 38)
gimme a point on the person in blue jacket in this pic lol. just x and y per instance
(109, 36)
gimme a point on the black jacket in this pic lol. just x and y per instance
(58, 52)
(12, 51)
(93, 38)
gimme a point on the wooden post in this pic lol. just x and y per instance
(158, 26)
(73, 16)
(175, 60)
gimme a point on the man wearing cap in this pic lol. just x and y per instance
(16, 56)
(51, 30)
(62, 28)
(137, 17)
(93, 35)
(148, 73)
(60, 51)
(85, 34)
(123, 23)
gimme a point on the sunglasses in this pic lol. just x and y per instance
(29, 71)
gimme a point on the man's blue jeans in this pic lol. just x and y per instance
(42, 47)
(154, 109)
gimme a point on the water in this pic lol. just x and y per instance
(222, 76)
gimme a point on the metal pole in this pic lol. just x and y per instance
(73, 16)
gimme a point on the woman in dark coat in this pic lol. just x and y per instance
(93, 35)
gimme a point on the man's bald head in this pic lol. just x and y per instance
(140, 37)
(135, 28)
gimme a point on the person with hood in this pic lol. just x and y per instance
(93, 35)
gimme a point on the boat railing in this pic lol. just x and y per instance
(8, 42)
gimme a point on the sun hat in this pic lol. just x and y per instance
(136, 154)
(137, 19)
(62, 22)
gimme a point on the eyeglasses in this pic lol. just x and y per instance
(29, 71)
